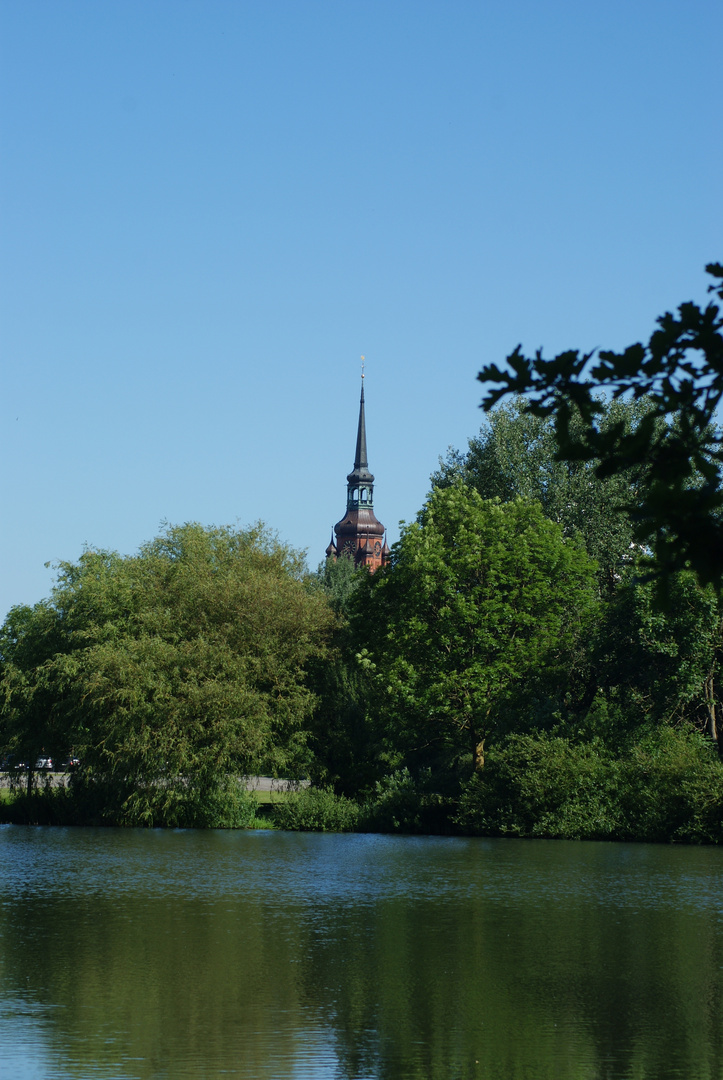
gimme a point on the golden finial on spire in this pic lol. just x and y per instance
(362, 360)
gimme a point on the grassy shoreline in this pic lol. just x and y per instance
(402, 808)
(665, 788)
(53, 802)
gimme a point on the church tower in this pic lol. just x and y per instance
(359, 535)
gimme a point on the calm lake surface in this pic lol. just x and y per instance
(139, 954)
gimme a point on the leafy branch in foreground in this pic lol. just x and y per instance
(679, 373)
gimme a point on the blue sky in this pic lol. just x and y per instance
(209, 209)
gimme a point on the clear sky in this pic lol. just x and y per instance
(209, 209)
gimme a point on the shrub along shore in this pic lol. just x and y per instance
(668, 790)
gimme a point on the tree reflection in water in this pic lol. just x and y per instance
(189, 954)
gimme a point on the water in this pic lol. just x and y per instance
(149, 954)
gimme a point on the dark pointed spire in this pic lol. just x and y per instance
(361, 464)
(360, 461)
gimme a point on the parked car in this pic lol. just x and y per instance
(44, 763)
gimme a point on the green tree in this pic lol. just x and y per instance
(515, 455)
(679, 373)
(475, 625)
(170, 672)
(662, 665)
(339, 578)
(32, 721)
(342, 753)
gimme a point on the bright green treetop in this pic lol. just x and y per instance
(483, 602)
(516, 455)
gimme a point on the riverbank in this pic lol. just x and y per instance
(534, 789)
(53, 801)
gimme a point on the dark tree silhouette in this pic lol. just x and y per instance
(679, 510)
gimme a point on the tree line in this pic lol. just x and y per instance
(499, 679)
(541, 657)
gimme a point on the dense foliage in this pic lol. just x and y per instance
(679, 376)
(512, 670)
(167, 674)
(487, 681)
(474, 628)
(515, 455)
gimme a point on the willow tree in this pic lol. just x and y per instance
(170, 672)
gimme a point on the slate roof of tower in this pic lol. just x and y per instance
(361, 464)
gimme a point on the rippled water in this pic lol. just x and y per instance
(139, 954)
